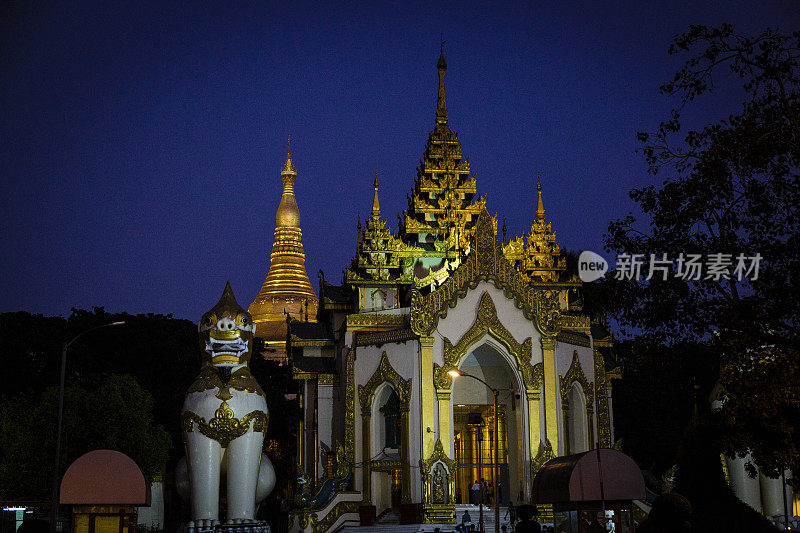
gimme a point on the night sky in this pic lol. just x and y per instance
(141, 143)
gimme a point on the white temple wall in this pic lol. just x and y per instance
(381, 487)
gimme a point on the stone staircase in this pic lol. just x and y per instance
(389, 523)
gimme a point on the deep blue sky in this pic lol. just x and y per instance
(141, 143)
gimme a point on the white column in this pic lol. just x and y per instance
(745, 487)
(153, 516)
(772, 496)
(325, 419)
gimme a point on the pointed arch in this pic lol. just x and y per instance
(487, 322)
(385, 373)
(576, 376)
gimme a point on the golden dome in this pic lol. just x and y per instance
(288, 214)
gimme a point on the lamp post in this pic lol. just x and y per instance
(54, 503)
(455, 373)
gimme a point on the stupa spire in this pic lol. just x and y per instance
(441, 102)
(539, 203)
(288, 168)
(376, 206)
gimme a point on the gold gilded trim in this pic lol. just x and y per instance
(372, 320)
(221, 359)
(575, 373)
(544, 454)
(384, 373)
(224, 427)
(437, 455)
(379, 338)
(326, 380)
(350, 411)
(581, 324)
(341, 508)
(229, 335)
(486, 321)
(297, 341)
(570, 337)
(485, 262)
(603, 415)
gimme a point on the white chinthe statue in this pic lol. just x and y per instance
(224, 419)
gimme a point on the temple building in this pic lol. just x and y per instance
(384, 425)
(286, 290)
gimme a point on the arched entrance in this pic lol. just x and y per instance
(473, 425)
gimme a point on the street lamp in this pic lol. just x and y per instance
(54, 503)
(454, 372)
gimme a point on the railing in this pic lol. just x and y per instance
(254, 527)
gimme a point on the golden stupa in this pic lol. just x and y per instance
(287, 289)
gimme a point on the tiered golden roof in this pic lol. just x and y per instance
(437, 228)
(541, 260)
(380, 256)
(287, 289)
(442, 209)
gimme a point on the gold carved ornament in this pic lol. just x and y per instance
(426, 466)
(241, 380)
(379, 338)
(603, 416)
(485, 262)
(486, 321)
(544, 454)
(350, 411)
(385, 373)
(341, 508)
(575, 374)
(224, 427)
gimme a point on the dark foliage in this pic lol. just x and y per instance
(731, 187)
(715, 509)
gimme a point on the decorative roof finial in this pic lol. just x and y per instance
(288, 168)
(539, 203)
(376, 208)
(441, 103)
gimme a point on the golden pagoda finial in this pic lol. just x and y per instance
(288, 168)
(376, 207)
(286, 286)
(539, 203)
(288, 214)
(441, 103)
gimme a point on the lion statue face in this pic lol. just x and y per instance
(226, 332)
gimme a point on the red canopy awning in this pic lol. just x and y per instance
(104, 477)
(576, 478)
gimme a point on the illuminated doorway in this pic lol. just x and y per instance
(474, 445)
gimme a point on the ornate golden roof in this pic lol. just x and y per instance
(380, 256)
(443, 207)
(287, 287)
(541, 259)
